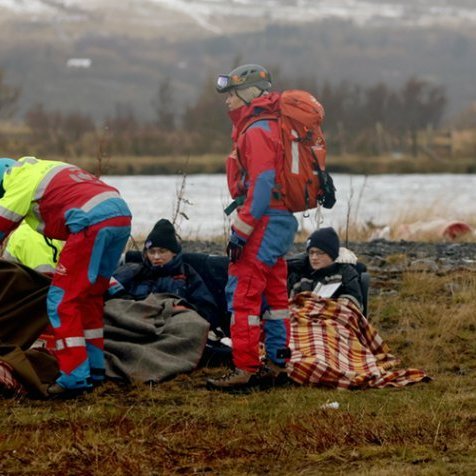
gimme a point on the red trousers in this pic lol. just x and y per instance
(76, 299)
(256, 290)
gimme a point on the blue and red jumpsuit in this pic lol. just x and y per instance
(267, 227)
(64, 202)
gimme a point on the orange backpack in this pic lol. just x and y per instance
(302, 181)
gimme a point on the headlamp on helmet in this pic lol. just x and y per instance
(244, 77)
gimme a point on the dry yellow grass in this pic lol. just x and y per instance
(200, 164)
(215, 163)
(408, 220)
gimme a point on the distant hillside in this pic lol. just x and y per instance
(129, 47)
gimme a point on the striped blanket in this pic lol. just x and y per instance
(9, 385)
(333, 344)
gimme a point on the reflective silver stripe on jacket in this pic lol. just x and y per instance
(94, 333)
(45, 268)
(276, 315)
(242, 226)
(254, 320)
(97, 199)
(46, 180)
(28, 160)
(9, 215)
(35, 209)
(70, 342)
(9, 257)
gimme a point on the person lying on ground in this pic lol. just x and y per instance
(162, 270)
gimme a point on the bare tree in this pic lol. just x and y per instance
(164, 106)
(9, 96)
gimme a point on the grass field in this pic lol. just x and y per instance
(164, 165)
(179, 427)
(213, 163)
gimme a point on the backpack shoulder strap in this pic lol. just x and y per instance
(255, 119)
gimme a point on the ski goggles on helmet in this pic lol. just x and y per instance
(226, 82)
(223, 83)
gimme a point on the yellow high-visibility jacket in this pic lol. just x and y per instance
(55, 198)
(28, 247)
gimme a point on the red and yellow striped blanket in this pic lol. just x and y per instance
(333, 344)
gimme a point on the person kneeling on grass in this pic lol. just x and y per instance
(163, 271)
(319, 266)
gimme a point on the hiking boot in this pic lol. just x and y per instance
(57, 392)
(277, 373)
(237, 380)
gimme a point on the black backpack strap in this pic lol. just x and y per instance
(55, 250)
(237, 202)
(328, 197)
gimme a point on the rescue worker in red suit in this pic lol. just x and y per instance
(64, 202)
(262, 231)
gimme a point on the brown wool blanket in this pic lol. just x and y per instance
(145, 341)
(333, 344)
(23, 318)
(152, 340)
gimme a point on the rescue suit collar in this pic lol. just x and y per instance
(267, 104)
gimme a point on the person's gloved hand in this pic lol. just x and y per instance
(306, 286)
(234, 249)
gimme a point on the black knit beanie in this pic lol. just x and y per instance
(163, 236)
(325, 239)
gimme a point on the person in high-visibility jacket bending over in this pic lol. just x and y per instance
(64, 202)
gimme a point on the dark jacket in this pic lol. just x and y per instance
(301, 277)
(138, 280)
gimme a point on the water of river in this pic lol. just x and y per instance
(380, 199)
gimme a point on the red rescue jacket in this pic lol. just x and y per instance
(252, 166)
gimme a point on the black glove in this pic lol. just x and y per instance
(234, 249)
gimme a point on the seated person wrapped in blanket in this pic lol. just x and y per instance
(332, 343)
(144, 339)
(319, 265)
(163, 270)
